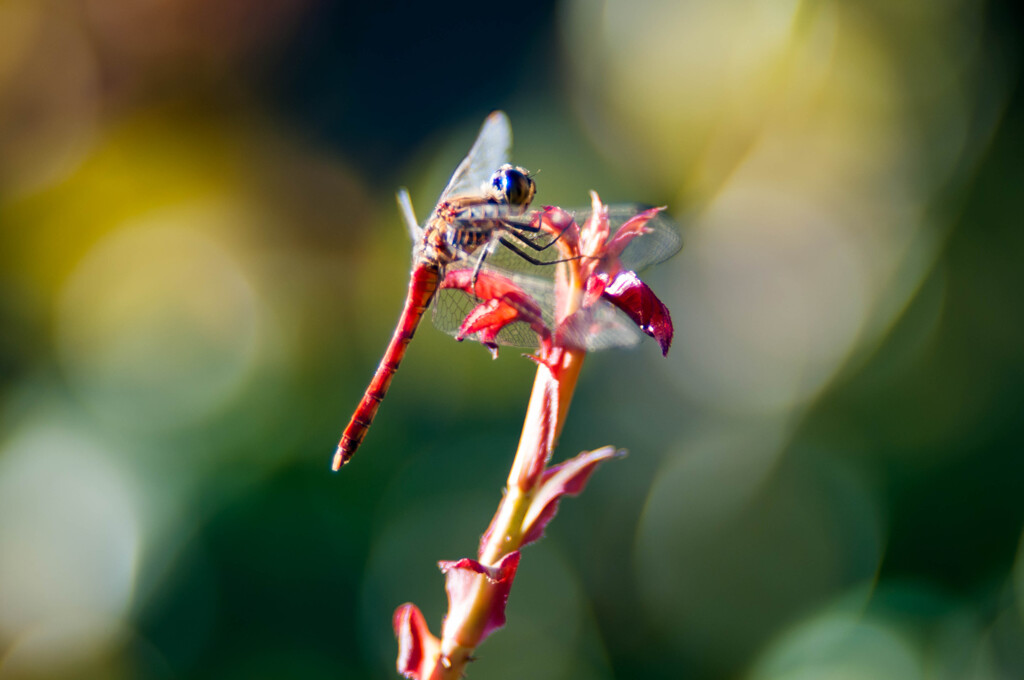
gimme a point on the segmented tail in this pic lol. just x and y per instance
(422, 287)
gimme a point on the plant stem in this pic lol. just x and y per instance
(553, 387)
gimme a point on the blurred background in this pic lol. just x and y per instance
(201, 262)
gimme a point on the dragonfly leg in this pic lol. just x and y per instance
(531, 259)
(514, 230)
(522, 223)
(484, 252)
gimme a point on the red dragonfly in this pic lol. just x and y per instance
(481, 222)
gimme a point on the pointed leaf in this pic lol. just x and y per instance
(568, 478)
(627, 292)
(417, 648)
(594, 232)
(633, 227)
(487, 285)
(471, 618)
(503, 303)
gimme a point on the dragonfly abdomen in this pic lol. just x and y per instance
(422, 287)
(468, 240)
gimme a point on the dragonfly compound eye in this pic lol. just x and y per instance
(514, 185)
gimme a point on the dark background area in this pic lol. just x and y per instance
(200, 262)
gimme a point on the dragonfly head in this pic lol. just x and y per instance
(514, 186)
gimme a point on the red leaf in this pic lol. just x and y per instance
(463, 623)
(627, 292)
(417, 648)
(487, 286)
(564, 479)
(503, 303)
(486, 320)
(594, 232)
(609, 266)
(594, 287)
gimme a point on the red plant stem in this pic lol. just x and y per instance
(558, 371)
(552, 393)
(553, 387)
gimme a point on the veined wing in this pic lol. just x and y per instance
(661, 241)
(598, 327)
(489, 152)
(452, 306)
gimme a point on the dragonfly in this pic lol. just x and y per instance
(482, 221)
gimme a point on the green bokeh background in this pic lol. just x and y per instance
(201, 261)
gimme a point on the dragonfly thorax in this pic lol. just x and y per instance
(461, 225)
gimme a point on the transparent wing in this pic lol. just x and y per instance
(490, 151)
(451, 307)
(662, 241)
(594, 328)
(600, 326)
(405, 207)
